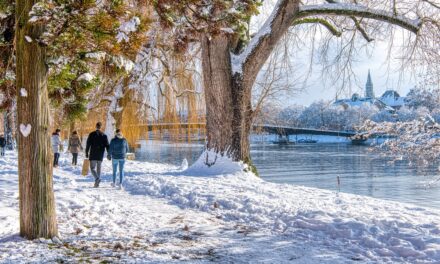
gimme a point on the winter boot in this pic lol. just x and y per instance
(97, 183)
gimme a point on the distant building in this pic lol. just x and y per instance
(393, 99)
(369, 93)
(390, 100)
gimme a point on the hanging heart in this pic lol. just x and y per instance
(25, 129)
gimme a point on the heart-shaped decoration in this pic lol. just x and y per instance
(23, 92)
(25, 129)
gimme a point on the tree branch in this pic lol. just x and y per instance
(250, 61)
(358, 24)
(354, 10)
(432, 4)
(285, 12)
(361, 29)
(320, 21)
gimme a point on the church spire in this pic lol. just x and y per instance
(369, 93)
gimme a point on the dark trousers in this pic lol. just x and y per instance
(2, 151)
(74, 158)
(56, 157)
(95, 168)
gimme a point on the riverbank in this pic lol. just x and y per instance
(174, 213)
(360, 170)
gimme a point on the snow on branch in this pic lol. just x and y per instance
(285, 10)
(343, 9)
(417, 140)
(266, 30)
(332, 28)
(432, 3)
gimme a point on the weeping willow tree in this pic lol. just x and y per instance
(129, 118)
(161, 93)
(172, 100)
(190, 103)
(180, 97)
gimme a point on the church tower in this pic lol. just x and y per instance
(369, 93)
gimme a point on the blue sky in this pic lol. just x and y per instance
(383, 79)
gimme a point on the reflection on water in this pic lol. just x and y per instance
(318, 165)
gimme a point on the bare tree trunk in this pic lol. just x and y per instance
(228, 105)
(242, 119)
(217, 78)
(37, 203)
(114, 113)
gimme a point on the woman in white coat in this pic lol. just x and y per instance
(56, 145)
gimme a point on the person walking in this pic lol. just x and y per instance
(118, 151)
(56, 146)
(74, 147)
(2, 145)
(97, 143)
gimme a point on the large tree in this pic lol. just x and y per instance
(37, 204)
(58, 39)
(232, 59)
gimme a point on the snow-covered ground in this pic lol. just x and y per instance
(221, 214)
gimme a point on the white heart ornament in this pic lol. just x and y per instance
(25, 129)
(23, 92)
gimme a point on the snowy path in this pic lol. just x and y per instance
(107, 224)
(171, 214)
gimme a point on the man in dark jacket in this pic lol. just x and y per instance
(97, 143)
(2, 145)
(118, 151)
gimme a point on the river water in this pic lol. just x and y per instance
(360, 170)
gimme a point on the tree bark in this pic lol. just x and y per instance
(217, 80)
(37, 203)
(242, 120)
(228, 101)
(114, 115)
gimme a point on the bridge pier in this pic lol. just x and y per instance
(283, 138)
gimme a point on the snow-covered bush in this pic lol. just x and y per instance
(422, 97)
(325, 115)
(416, 140)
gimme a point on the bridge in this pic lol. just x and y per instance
(271, 129)
(287, 131)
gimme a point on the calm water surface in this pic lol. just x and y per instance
(318, 165)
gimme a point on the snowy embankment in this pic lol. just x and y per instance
(219, 214)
